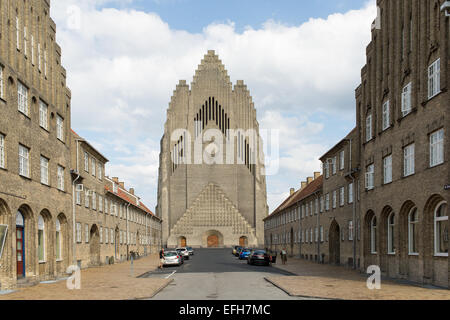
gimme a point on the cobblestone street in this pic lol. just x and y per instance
(333, 282)
(105, 283)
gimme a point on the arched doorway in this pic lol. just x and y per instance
(213, 239)
(243, 241)
(335, 243)
(20, 244)
(94, 246)
(182, 242)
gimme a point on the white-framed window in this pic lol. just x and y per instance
(101, 234)
(350, 193)
(327, 202)
(25, 51)
(100, 203)
(350, 230)
(39, 56)
(311, 212)
(406, 99)
(61, 178)
(94, 201)
(316, 206)
(370, 174)
(413, 232)
(58, 240)
(43, 114)
(41, 239)
(22, 98)
(316, 234)
(86, 162)
(78, 197)
(78, 232)
(45, 62)
(408, 163)
(44, 170)
(334, 165)
(32, 50)
(342, 197)
(387, 169)
(322, 204)
(386, 115)
(17, 33)
(1, 83)
(437, 148)
(86, 198)
(106, 205)
(334, 199)
(24, 162)
(2, 151)
(373, 235)
(368, 128)
(60, 128)
(391, 233)
(93, 166)
(434, 78)
(311, 235)
(342, 160)
(441, 230)
(326, 169)
(86, 233)
(106, 236)
(321, 234)
(100, 171)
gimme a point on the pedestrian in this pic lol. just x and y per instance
(161, 259)
(284, 256)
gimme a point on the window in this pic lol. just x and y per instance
(391, 233)
(86, 198)
(1, 83)
(112, 236)
(106, 205)
(406, 99)
(326, 169)
(25, 41)
(441, 230)
(350, 230)
(373, 235)
(327, 202)
(321, 234)
(316, 206)
(100, 171)
(316, 235)
(44, 170)
(39, 56)
(413, 230)
(60, 178)
(2, 152)
(342, 160)
(434, 79)
(60, 128)
(334, 165)
(45, 63)
(408, 163)
(43, 115)
(350, 193)
(310, 235)
(24, 167)
(78, 232)
(334, 199)
(386, 115)
(94, 201)
(106, 236)
(41, 239)
(22, 98)
(437, 148)
(370, 173)
(322, 204)
(17, 33)
(86, 162)
(58, 240)
(78, 197)
(93, 166)
(342, 197)
(101, 234)
(32, 50)
(100, 203)
(369, 128)
(387, 169)
(121, 237)
(86, 233)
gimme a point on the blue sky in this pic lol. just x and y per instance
(301, 61)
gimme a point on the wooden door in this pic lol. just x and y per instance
(213, 241)
(183, 242)
(243, 241)
(20, 252)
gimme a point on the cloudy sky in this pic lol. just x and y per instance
(301, 61)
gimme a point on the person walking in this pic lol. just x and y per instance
(161, 259)
(284, 256)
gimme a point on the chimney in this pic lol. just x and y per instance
(316, 175)
(115, 179)
(132, 191)
(310, 179)
(122, 185)
(292, 191)
(304, 184)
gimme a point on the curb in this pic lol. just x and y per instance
(294, 295)
(161, 288)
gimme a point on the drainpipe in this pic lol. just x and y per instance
(74, 244)
(319, 259)
(128, 235)
(350, 141)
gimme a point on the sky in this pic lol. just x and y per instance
(301, 61)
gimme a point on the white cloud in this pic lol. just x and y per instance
(124, 64)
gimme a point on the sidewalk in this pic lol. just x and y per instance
(112, 282)
(333, 282)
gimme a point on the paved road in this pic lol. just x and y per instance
(215, 274)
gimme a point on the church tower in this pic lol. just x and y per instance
(212, 185)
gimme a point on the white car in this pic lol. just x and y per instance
(172, 258)
(184, 252)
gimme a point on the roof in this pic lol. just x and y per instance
(339, 144)
(90, 146)
(124, 196)
(299, 195)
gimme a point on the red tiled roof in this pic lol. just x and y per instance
(299, 195)
(124, 196)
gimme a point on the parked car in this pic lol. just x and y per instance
(183, 252)
(172, 258)
(245, 253)
(260, 257)
(236, 249)
(191, 251)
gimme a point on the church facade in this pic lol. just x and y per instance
(212, 185)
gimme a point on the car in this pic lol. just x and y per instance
(172, 258)
(183, 252)
(260, 257)
(238, 251)
(235, 250)
(245, 253)
(191, 251)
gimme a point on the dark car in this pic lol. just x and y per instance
(237, 251)
(260, 257)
